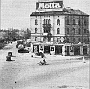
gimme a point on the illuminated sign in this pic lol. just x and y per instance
(49, 5)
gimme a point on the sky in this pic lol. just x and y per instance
(16, 13)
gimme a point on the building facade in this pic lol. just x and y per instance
(65, 29)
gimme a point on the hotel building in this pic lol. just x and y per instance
(59, 30)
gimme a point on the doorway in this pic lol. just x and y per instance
(84, 50)
(76, 50)
(46, 49)
(58, 49)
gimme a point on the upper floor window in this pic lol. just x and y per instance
(58, 22)
(85, 31)
(35, 30)
(49, 21)
(36, 22)
(67, 30)
(74, 40)
(74, 22)
(85, 40)
(58, 30)
(79, 22)
(68, 21)
(58, 39)
(67, 40)
(88, 39)
(79, 39)
(79, 31)
(85, 22)
(73, 31)
(35, 38)
(46, 21)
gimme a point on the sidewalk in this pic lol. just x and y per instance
(60, 57)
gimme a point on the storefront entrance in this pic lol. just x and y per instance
(58, 49)
(46, 49)
(84, 50)
(35, 48)
(76, 50)
(68, 53)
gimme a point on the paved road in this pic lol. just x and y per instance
(25, 73)
(16, 74)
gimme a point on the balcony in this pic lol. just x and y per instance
(46, 25)
(45, 34)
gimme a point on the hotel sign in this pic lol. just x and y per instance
(49, 5)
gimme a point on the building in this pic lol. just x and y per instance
(64, 30)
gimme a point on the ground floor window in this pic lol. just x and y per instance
(35, 48)
(76, 50)
(84, 50)
(46, 49)
(58, 49)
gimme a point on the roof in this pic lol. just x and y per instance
(66, 11)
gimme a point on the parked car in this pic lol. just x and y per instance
(18, 43)
(21, 49)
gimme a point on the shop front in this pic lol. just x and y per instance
(58, 49)
(63, 49)
(84, 50)
(36, 48)
(47, 49)
(76, 50)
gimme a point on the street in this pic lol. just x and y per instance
(25, 73)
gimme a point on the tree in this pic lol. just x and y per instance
(11, 35)
(27, 34)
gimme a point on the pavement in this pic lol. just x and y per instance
(63, 72)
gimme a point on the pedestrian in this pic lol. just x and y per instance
(44, 61)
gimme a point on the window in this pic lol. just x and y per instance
(68, 21)
(74, 22)
(79, 40)
(58, 22)
(67, 30)
(35, 30)
(44, 21)
(88, 39)
(73, 31)
(85, 22)
(49, 21)
(58, 39)
(74, 40)
(79, 22)
(58, 31)
(85, 31)
(85, 40)
(67, 40)
(36, 22)
(35, 38)
(79, 31)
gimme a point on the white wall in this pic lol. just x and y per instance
(53, 22)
